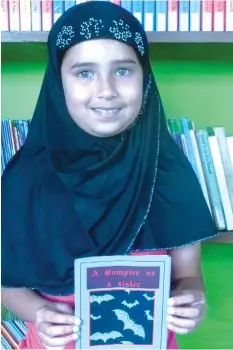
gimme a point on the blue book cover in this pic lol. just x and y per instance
(184, 23)
(127, 4)
(161, 18)
(122, 301)
(138, 10)
(58, 9)
(149, 14)
(69, 4)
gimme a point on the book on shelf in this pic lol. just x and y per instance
(122, 301)
(159, 15)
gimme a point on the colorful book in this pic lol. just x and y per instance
(137, 8)
(219, 15)
(149, 15)
(14, 15)
(184, 15)
(195, 15)
(222, 184)
(5, 15)
(58, 9)
(172, 15)
(25, 15)
(229, 15)
(122, 301)
(207, 15)
(36, 15)
(161, 15)
(68, 4)
(226, 160)
(211, 179)
(47, 15)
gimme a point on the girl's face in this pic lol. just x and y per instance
(103, 86)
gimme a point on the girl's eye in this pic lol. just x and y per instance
(123, 71)
(85, 74)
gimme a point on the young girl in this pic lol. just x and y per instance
(99, 174)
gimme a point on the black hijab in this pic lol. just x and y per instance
(67, 194)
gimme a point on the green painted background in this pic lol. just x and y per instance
(194, 81)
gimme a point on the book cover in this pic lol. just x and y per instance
(127, 4)
(222, 184)
(14, 15)
(161, 15)
(122, 301)
(149, 14)
(195, 15)
(5, 15)
(229, 15)
(36, 15)
(58, 9)
(184, 145)
(207, 16)
(219, 15)
(173, 15)
(47, 15)
(25, 15)
(184, 15)
(137, 8)
(211, 179)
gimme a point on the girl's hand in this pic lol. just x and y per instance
(56, 325)
(185, 311)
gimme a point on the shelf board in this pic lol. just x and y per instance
(153, 37)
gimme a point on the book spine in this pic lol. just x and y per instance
(195, 15)
(127, 5)
(161, 15)
(184, 145)
(69, 4)
(229, 15)
(173, 15)
(230, 147)
(5, 22)
(25, 15)
(47, 15)
(174, 131)
(12, 137)
(215, 152)
(138, 10)
(116, 2)
(207, 15)
(211, 179)
(184, 14)
(14, 15)
(149, 16)
(219, 15)
(36, 15)
(185, 128)
(16, 140)
(226, 160)
(58, 9)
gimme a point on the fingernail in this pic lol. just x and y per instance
(171, 310)
(171, 302)
(77, 321)
(75, 336)
(75, 329)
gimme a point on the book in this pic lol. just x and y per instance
(122, 301)
(47, 15)
(14, 15)
(58, 9)
(230, 147)
(137, 9)
(184, 15)
(25, 15)
(68, 4)
(229, 15)
(149, 16)
(127, 4)
(4, 15)
(195, 15)
(207, 15)
(219, 15)
(172, 15)
(36, 15)
(161, 15)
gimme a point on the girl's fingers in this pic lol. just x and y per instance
(51, 316)
(181, 300)
(189, 312)
(55, 331)
(178, 330)
(57, 341)
(181, 322)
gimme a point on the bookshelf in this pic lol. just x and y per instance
(153, 37)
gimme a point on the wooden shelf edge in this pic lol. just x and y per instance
(153, 37)
(223, 237)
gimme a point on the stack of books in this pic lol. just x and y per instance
(159, 15)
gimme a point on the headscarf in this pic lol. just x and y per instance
(67, 194)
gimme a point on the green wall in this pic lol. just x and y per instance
(194, 81)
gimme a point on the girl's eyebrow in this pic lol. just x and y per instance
(94, 64)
